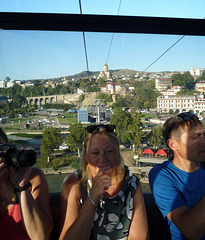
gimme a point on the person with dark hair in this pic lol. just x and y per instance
(103, 199)
(24, 200)
(178, 185)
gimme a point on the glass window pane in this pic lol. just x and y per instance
(154, 8)
(26, 55)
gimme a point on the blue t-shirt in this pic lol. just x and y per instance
(173, 188)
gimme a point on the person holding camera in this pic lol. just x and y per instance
(24, 198)
(103, 199)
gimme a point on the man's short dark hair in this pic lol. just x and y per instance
(177, 124)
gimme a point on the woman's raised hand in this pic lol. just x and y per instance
(101, 182)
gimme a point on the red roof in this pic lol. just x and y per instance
(148, 151)
(162, 152)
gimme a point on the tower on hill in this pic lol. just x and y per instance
(105, 74)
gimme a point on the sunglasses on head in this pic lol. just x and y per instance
(185, 116)
(92, 128)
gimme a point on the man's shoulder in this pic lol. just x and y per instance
(160, 167)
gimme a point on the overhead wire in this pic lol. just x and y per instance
(113, 34)
(111, 42)
(163, 54)
(84, 41)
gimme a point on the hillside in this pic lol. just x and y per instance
(116, 73)
(89, 99)
(128, 157)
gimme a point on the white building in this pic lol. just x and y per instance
(111, 87)
(162, 84)
(10, 83)
(200, 104)
(105, 74)
(178, 103)
(172, 91)
(192, 71)
(200, 87)
(197, 72)
(2, 84)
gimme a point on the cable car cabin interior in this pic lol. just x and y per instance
(104, 24)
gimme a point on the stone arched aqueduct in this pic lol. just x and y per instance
(62, 99)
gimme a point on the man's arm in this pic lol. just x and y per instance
(190, 222)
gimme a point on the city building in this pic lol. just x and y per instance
(162, 84)
(10, 84)
(95, 113)
(200, 103)
(172, 91)
(111, 87)
(105, 74)
(177, 103)
(192, 71)
(83, 115)
(200, 87)
(197, 72)
(2, 84)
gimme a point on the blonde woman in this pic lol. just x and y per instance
(102, 200)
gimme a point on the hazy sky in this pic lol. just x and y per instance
(46, 54)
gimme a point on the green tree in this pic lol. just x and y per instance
(18, 101)
(134, 129)
(76, 137)
(186, 92)
(171, 111)
(101, 82)
(107, 97)
(121, 119)
(120, 102)
(186, 80)
(52, 139)
(201, 78)
(156, 136)
(143, 96)
(81, 98)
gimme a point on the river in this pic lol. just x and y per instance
(29, 140)
(55, 181)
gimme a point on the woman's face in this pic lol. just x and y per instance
(101, 154)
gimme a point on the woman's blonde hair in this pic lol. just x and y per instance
(111, 137)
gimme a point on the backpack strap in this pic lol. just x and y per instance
(83, 192)
(83, 187)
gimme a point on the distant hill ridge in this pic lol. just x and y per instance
(91, 74)
(116, 72)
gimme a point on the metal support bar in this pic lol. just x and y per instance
(101, 23)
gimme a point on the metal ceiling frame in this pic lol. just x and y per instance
(101, 23)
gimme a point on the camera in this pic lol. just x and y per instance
(17, 157)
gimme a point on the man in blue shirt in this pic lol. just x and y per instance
(178, 185)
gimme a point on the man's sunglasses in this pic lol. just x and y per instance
(185, 116)
(93, 128)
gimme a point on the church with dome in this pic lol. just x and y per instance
(105, 74)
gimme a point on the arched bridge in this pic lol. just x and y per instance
(62, 99)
